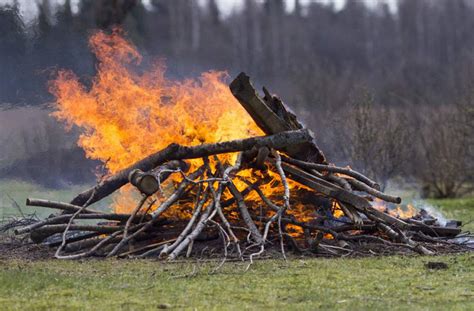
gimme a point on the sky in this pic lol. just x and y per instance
(29, 8)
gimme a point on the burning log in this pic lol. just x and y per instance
(177, 152)
(275, 192)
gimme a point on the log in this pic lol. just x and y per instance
(178, 152)
(72, 239)
(65, 218)
(244, 212)
(435, 231)
(90, 242)
(325, 187)
(40, 234)
(271, 115)
(333, 169)
(335, 192)
(376, 193)
(86, 243)
(401, 237)
(71, 208)
(149, 182)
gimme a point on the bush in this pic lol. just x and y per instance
(447, 169)
(374, 138)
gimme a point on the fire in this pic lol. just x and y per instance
(129, 112)
(405, 212)
(336, 210)
(126, 115)
(402, 212)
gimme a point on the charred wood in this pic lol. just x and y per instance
(273, 121)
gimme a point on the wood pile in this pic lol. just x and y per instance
(241, 223)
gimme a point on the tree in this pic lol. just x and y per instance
(13, 44)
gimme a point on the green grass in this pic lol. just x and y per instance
(17, 191)
(394, 282)
(347, 284)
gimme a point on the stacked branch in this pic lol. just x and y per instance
(234, 213)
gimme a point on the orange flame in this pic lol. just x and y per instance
(128, 113)
(402, 212)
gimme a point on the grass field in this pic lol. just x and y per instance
(402, 283)
(347, 284)
(16, 192)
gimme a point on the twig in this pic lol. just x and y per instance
(127, 226)
(197, 210)
(60, 248)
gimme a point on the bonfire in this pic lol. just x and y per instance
(199, 167)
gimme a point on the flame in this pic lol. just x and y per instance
(336, 210)
(402, 212)
(126, 115)
(127, 112)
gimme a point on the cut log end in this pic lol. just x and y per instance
(146, 183)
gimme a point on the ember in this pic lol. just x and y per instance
(198, 161)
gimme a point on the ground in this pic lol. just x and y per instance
(349, 284)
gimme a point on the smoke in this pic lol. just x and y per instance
(420, 204)
(409, 191)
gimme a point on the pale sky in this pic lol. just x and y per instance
(29, 8)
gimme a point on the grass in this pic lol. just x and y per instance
(402, 283)
(16, 192)
(346, 284)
